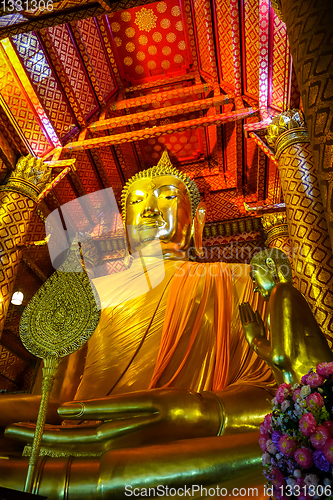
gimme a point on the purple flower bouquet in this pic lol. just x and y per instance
(297, 438)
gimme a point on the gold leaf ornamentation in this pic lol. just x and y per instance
(151, 64)
(115, 27)
(141, 56)
(161, 7)
(166, 50)
(61, 316)
(179, 26)
(165, 64)
(171, 37)
(130, 32)
(130, 47)
(152, 50)
(143, 40)
(165, 23)
(178, 59)
(145, 19)
(125, 16)
(157, 37)
(139, 69)
(128, 61)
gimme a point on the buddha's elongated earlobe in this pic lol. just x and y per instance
(197, 229)
(271, 266)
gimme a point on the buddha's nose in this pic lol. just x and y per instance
(151, 212)
(151, 209)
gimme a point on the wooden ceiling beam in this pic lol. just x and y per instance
(7, 154)
(145, 116)
(139, 135)
(264, 80)
(162, 82)
(263, 146)
(53, 19)
(33, 266)
(160, 96)
(16, 126)
(62, 78)
(236, 45)
(261, 175)
(114, 5)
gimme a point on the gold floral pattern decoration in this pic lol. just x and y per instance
(161, 7)
(130, 32)
(126, 16)
(145, 19)
(157, 37)
(141, 56)
(130, 47)
(128, 61)
(143, 40)
(171, 37)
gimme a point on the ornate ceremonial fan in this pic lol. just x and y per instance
(58, 320)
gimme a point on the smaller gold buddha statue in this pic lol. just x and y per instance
(294, 343)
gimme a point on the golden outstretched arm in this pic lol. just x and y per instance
(152, 416)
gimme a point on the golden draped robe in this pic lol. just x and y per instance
(172, 324)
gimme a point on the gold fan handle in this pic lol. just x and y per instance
(49, 372)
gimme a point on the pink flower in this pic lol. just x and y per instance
(267, 422)
(314, 380)
(263, 431)
(277, 478)
(307, 424)
(282, 392)
(325, 369)
(303, 457)
(329, 426)
(262, 443)
(314, 400)
(287, 445)
(319, 437)
(328, 450)
(297, 395)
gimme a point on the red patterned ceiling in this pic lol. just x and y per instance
(149, 42)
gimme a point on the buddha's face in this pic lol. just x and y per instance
(159, 209)
(263, 281)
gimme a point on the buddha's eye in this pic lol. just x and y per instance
(133, 202)
(170, 197)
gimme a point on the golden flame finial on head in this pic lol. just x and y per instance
(164, 167)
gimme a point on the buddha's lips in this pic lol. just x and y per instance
(150, 224)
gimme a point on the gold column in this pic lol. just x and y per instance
(311, 248)
(276, 232)
(18, 199)
(310, 34)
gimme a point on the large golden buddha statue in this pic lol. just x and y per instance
(168, 390)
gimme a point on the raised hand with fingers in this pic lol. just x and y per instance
(252, 324)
